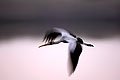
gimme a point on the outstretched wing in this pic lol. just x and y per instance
(75, 51)
(55, 32)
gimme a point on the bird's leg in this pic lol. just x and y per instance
(88, 44)
(50, 43)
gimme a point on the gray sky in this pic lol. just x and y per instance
(59, 9)
(96, 19)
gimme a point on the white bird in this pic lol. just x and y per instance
(75, 48)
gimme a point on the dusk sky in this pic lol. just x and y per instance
(23, 24)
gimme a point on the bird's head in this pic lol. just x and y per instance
(81, 42)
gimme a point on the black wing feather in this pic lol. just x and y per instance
(51, 35)
(74, 57)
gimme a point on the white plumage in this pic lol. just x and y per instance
(75, 48)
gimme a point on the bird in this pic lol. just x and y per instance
(75, 48)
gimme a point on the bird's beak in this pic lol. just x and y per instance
(44, 45)
(90, 45)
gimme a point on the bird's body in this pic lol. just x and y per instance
(75, 48)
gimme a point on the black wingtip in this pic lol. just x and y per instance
(71, 68)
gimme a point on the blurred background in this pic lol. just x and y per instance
(23, 24)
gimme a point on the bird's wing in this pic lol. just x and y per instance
(51, 35)
(55, 32)
(65, 32)
(75, 51)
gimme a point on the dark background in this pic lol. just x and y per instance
(91, 18)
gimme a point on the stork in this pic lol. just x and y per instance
(75, 47)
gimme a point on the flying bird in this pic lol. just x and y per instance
(75, 42)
